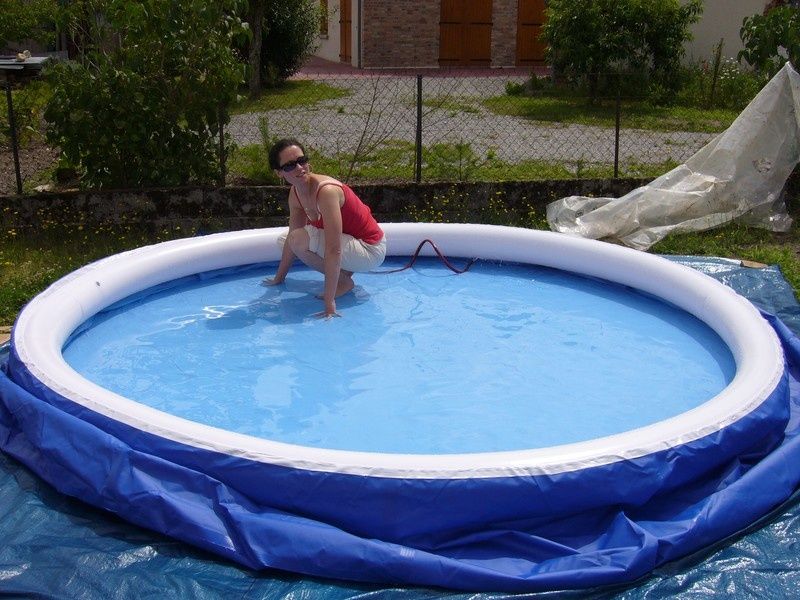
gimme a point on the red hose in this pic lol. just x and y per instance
(439, 254)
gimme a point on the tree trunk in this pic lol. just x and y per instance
(255, 17)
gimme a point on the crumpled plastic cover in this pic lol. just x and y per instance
(56, 546)
(739, 175)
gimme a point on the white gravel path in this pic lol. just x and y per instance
(383, 108)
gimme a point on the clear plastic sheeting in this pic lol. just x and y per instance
(55, 546)
(740, 175)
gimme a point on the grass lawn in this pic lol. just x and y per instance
(393, 160)
(634, 115)
(291, 94)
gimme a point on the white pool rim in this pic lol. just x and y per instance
(46, 323)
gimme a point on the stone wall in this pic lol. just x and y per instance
(250, 207)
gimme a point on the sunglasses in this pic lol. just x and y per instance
(290, 166)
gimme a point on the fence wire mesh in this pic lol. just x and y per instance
(397, 128)
(25, 159)
(457, 128)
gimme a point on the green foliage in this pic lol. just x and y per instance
(589, 38)
(458, 206)
(289, 94)
(251, 163)
(769, 40)
(451, 162)
(32, 260)
(28, 103)
(635, 114)
(145, 104)
(289, 38)
(732, 89)
(22, 20)
(247, 165)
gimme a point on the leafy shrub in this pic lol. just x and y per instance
(587, 38)
(736, 87)
(771, 39)
(733, 87)
(289, 38)
(515, 89)
(451, 162)
(27, 20)
(145, 105)
(28, 103)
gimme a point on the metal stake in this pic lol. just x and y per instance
(12, 125)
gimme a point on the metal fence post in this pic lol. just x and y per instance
(616, 130)
(12, 126)
(222, 154)
(418, 137)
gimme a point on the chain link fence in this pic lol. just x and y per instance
(24, 157)
(375, 128)
(396, 128)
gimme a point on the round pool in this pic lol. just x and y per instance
(433, 461)
(507, 357)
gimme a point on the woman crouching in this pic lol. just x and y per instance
(330, 229)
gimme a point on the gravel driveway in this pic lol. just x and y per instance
(383, 108)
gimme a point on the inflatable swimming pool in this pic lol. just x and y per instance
(606, 510)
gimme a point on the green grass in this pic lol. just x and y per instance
(394, 161)
(745, 243)
(290, 94)
(249, 164)
(637, 115)
(453, 104)
(30, 262)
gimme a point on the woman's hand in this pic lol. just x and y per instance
(326, 316)
(329, 312)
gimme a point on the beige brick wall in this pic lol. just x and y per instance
(401, 33)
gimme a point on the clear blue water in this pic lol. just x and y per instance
(504, 357)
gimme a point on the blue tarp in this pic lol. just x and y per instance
(59, 547)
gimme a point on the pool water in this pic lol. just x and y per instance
(504, 357)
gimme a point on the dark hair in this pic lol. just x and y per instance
(280, 146)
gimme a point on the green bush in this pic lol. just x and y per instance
(145, 104)
(289, 38)
(22, 20)
(769, 40)
(28, 103)
(589, 38)
(733, 87)
(451, 162)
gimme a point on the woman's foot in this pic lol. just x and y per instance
(344, 285)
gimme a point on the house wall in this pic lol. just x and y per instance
(721, 19)
(405, 33)
(400, 33)
(504, 33)
(329, 44)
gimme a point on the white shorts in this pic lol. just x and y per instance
(357, 255)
